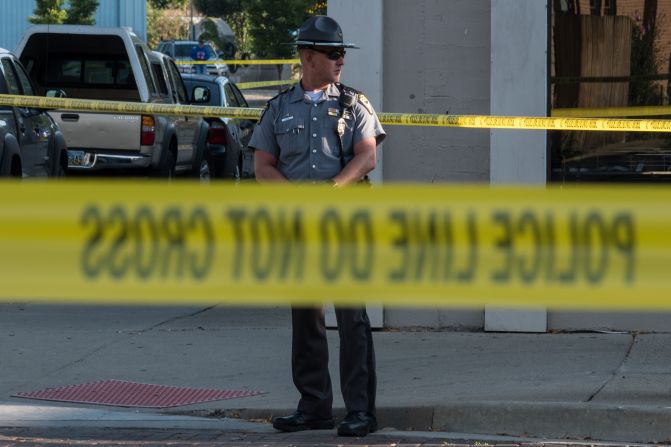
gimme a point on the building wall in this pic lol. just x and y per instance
(14, 18)
(436, 60)
(429, 56)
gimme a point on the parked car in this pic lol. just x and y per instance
(100, 63)
(228, 137)
(180, 50)
(31, 144)
(170, 84)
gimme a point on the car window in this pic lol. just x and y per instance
(108, 72)
(231, 99)
(183, 50)
(158, 73)
(99, 72)
(177, 82)
(24, 80)
(13, 87)
(145, 70)
(238, 94)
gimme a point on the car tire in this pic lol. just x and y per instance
(167, 167)
(10, 165)
(60, 170)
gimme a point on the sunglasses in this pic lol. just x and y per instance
(334, 55)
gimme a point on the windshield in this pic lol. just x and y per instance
(183, 51)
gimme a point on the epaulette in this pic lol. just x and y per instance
(267, 106)
(358, 95)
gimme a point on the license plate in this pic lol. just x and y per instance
(77, 158)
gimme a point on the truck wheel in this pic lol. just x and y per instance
(167, 167)
(11, 165)
(61, 166)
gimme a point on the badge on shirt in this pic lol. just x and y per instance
(287, 118)
(333, 112)
(364, 102)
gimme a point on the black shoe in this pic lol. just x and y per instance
(357, 423)
(302, 421)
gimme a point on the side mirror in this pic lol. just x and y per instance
(55, 93)
(201, 95)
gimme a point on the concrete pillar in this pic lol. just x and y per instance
(519, 46)
(361, 22)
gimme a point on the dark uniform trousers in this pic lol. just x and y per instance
(309, 360)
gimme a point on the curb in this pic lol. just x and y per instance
(606, 422)
(556, 420)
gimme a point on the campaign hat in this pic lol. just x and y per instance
(322, 31)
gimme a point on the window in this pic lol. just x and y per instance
(158, 73)
(240, 97)
(615, 60)
(151, 86)
(595, 7)
(26, 86)
(13, 87)
(231, 99)
(177, 83)
(82, 72)
(99, 72)
(183, 51)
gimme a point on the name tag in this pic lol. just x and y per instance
(287, 118)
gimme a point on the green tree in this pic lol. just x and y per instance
(48, 11)
(232, 11)
(81, 12)
(274, 24)
(162, 26)
(167, 4)
(218, 8)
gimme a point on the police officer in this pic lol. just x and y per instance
(322, 131)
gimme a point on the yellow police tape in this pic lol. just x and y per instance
(402, 119)
(259, 84)
(89, 105)
(240, 62)
(613, 112)
(185, 243)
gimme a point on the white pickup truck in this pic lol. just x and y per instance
(89, 62)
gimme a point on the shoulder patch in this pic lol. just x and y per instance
(364, 102)
(265, 109)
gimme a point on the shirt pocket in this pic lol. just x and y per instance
(291, 137)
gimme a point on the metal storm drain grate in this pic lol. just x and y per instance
(121, 393)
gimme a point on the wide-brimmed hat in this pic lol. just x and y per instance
(321, 31)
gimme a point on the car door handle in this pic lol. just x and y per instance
(70, 117)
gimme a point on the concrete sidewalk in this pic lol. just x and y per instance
(614, 386)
